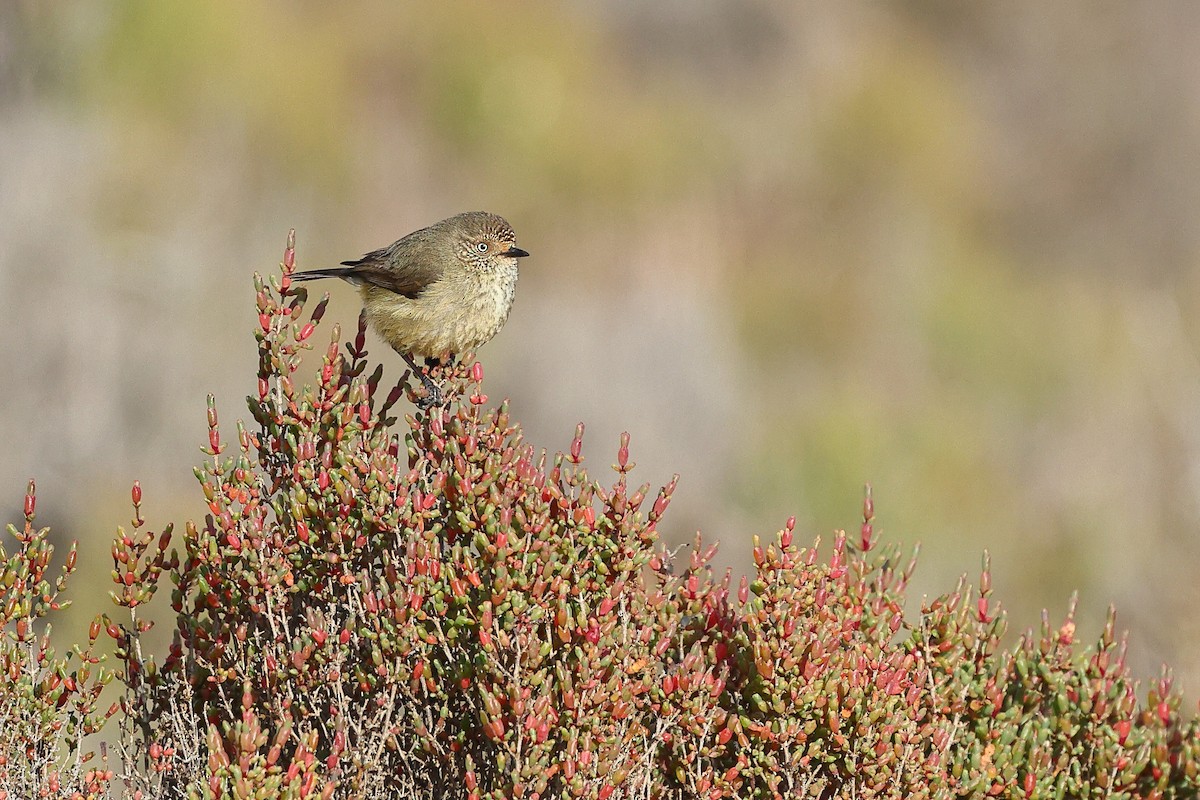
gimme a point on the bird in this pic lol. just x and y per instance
(439, 291)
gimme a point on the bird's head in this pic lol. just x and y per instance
(485, 241)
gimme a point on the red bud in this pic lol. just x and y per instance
(660, 505)
(577, 443)
(623, 451)
(289, 253)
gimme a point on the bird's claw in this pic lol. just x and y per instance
(432, 398)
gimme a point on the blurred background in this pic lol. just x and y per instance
(947, 249)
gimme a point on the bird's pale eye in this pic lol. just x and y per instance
(482, 247)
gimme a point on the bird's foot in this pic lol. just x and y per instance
(433, 395)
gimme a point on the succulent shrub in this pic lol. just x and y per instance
(428, 607)
(48, 702)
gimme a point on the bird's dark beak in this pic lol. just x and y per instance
(516, 252)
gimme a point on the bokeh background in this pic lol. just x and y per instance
(948, 249)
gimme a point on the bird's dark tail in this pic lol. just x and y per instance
(313, 274)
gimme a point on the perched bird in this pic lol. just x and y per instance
(439, 291)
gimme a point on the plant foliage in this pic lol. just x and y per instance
(434, 609)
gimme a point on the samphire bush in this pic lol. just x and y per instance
(430, 608)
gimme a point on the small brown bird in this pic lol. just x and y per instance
(439, 291)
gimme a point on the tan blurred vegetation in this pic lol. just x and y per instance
(948, 249)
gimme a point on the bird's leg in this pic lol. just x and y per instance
(433, 394)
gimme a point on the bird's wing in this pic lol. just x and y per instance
(406, 271)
